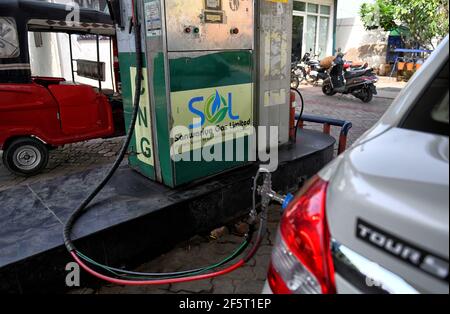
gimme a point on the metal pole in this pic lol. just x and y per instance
(71, 57)
(98, 63)
(335, 16)
(111, 62)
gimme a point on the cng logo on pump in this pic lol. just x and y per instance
(216, 109)
(143, 129)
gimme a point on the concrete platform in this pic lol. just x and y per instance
(133, 219)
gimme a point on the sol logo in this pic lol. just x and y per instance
(216, 109)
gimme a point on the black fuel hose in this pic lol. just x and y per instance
(297, 125)
(123, 151)
(83, 207)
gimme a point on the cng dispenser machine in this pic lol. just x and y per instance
(218, 66)
(206, 65)
(204, 70)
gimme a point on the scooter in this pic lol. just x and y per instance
(360, 83)
(350, 66)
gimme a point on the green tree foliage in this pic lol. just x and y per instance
(426, 20)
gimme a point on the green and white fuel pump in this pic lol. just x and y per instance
(210, 66)
(214, 71)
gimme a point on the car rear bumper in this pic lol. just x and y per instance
(343, 287)
(355, 274)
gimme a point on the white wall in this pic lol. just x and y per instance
(350, 8)
(45, 59)
(53, 58)
(351, 37)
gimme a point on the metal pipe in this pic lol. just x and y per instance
(328, 122)
(71, 57)
(111, 62)
(98, 63)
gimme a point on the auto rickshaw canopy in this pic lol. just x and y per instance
(18, 17)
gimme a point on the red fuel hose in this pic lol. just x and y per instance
(122, 282)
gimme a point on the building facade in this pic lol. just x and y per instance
(351, 36)
(314, 27)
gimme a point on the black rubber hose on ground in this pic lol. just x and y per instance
(137, 96)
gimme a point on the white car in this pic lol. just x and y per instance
(376, 220)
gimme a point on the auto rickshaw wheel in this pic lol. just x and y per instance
(26, 156)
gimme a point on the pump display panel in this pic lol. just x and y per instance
(219, 26)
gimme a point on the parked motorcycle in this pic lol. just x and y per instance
(315, 71)
(312, 70)
(360, 83)
(299, 69)
(297, 74)
(308, 68)
(319, 73)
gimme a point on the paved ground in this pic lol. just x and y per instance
(346, 107)
(204, 251)
(67, 160)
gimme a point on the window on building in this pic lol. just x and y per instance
(299, 6)
(317, 21)
(311, 33)
(324, 26)
(325, 9)
(298, 26)
(313, 8)
(9, 39)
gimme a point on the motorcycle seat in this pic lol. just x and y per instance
(355, 73)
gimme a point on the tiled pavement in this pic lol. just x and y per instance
(67, 160)
(203, 251)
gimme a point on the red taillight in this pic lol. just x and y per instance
(301, 261)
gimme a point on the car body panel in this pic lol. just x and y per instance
(22, 106)
(397, 180)
(55, 114)
(408, 198)
(83, 111)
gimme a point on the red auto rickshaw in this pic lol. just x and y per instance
(38, 114)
